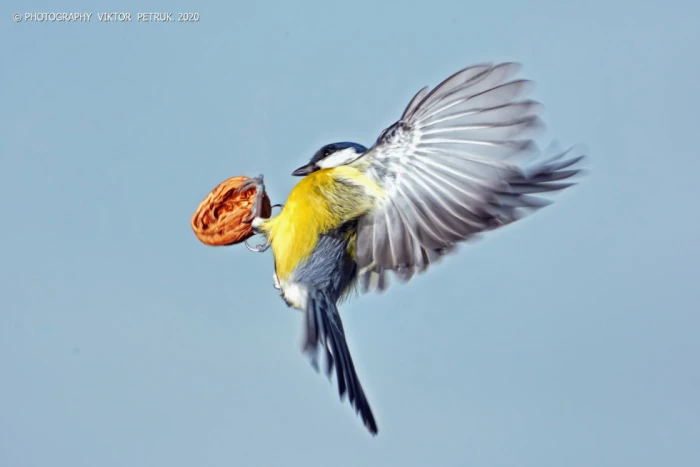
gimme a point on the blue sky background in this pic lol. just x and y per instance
(569, 339)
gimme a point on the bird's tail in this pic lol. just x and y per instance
(323, 325)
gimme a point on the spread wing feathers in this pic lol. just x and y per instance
(323, 325)
(453, 167)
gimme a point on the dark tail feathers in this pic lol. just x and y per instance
(323, 324)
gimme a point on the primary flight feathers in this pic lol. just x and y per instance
(450, 171)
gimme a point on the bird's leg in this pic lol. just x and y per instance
(258, 184)
(255, 218)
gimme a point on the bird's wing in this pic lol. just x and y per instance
(452, 168)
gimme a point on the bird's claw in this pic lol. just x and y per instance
(259, 185)
(255, 182)
(257, 248)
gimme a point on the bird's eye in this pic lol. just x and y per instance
(328, 151)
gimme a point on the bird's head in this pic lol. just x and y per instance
(331, 155)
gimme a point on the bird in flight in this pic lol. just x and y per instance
(460, 161)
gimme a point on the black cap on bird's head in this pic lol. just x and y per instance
(331, 155)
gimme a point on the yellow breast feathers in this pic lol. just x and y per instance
(320, 202)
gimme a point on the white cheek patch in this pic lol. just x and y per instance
(338, 158)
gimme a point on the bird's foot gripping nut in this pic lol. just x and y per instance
(259, 209)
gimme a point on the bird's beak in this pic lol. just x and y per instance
(305, 170)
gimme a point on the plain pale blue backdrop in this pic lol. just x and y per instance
(569, 339)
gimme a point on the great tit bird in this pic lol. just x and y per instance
(460, 161)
